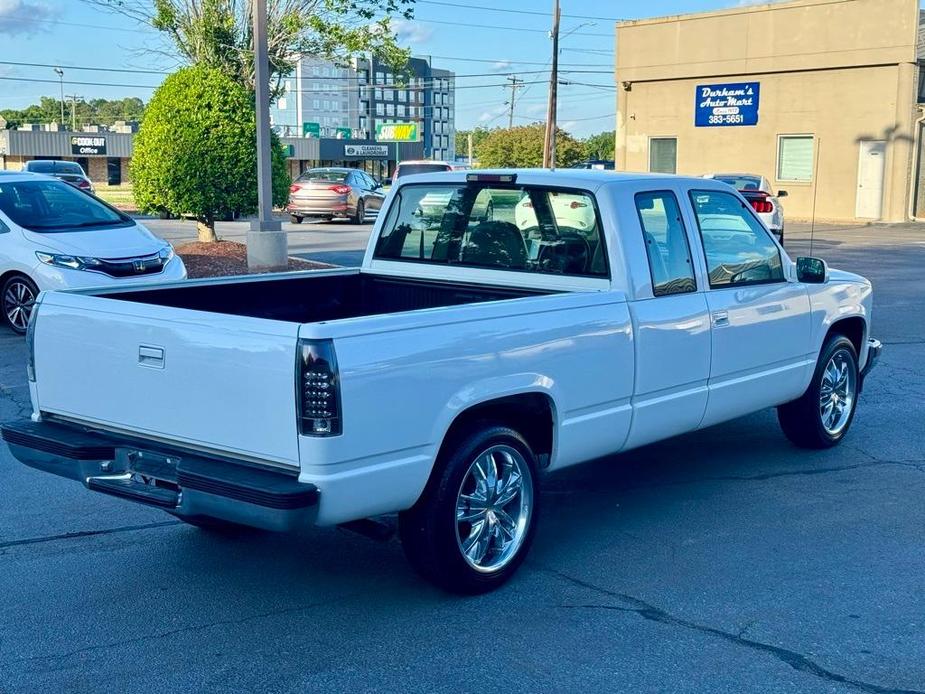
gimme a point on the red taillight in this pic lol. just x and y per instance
(759, 201)
(293, 188)
(83, 183)
(340, 189)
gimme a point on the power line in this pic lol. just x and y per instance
(505, 28)
(84, 67)
(499, 9)
(86, 84)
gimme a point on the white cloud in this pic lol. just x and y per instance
(409, 32)
(492, 114)
(23, 17)
(501, 65)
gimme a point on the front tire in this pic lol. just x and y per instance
(17, 301)
(821, 417)
(296, 219)
(473, 526)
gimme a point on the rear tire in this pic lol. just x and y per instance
(17, 300)
(359, 216)
(822, 416)
(296, 219)
(474, 524)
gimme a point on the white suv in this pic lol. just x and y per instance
(54, 236)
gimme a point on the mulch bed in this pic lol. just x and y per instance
(224, 258)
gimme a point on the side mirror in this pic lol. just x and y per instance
(782, 193)
(812, 270)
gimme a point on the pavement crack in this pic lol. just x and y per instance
(185, 629)
(652, 613)
(86, 533)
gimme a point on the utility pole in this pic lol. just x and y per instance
(266, 241)
(549, 145)
(515, 85)
(469, 145)
(60, 73)
(74, 98)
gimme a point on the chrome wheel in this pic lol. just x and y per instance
(838, 392)
(18, 302)
(493, 508)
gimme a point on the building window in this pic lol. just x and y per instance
(380, 108)
(663, 155)
(378, 93)
(380, 78)
(315, 70)
(402, 95)
(400, 110)
(795, 158)
(390, 109)
(316, 104)
(389, 95)
(389, 78)
(281, 104)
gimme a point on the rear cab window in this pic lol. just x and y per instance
(521, 228)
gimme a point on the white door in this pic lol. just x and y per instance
(871, 154)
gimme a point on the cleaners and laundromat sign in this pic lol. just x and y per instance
(726, 104)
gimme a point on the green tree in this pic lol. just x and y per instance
(218, 33)
(600, 146)
(195, 151)
(462, 140)
(522, 146)
(94, 111)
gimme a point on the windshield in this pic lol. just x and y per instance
(411, 169)
(48, 167)
(54, 206)
(325, 175)
(520, 228)
(740, 182)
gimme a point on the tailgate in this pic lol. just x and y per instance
(209, 381)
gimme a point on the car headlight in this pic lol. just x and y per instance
(72, 262)
(166, 254)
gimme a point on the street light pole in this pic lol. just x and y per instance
(60, 73)
(549, 148)
(266, 241)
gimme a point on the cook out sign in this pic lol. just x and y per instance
(88, 144)
(735, 103)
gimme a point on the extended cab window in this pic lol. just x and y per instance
(522, 228)
(738, 248)
(666, 243)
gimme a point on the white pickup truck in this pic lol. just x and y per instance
(466, 358)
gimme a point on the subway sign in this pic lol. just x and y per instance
(735, 103)
(397, 132)
(88, 144)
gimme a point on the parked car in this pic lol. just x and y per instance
(465, 359)
(600, 164)
(68, 171)
(759, 193)
(55, 237)
(570, 210)
(420, 166)
(335, 193)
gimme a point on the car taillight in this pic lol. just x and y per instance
(318, 389)
(83, 183)
(293, 188)
(762, 206)
(340, 189)
(575, 204)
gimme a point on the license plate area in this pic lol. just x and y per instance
(148, 467)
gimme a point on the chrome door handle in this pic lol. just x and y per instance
(720, 318)
(152, 357)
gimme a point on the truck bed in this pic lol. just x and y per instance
(311, 298)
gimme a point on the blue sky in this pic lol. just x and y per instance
(459, 35)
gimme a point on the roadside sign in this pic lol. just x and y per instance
(343, 133)
(88, 144)
(397, 132)
(366, 150)
(311, 129)
(735, 103)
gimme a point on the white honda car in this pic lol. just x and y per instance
(761, 196)
(54, 236)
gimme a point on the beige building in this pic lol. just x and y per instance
(820, 96)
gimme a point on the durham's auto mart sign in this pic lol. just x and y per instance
(735, 103)
(88, 144)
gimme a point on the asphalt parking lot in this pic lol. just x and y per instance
(722, 561)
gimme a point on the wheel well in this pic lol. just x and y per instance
(852, 328)
(530, 414)
(13, 273)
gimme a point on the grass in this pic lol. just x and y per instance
(120, 196)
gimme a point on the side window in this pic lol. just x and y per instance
(738, 248)
(666, 243)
